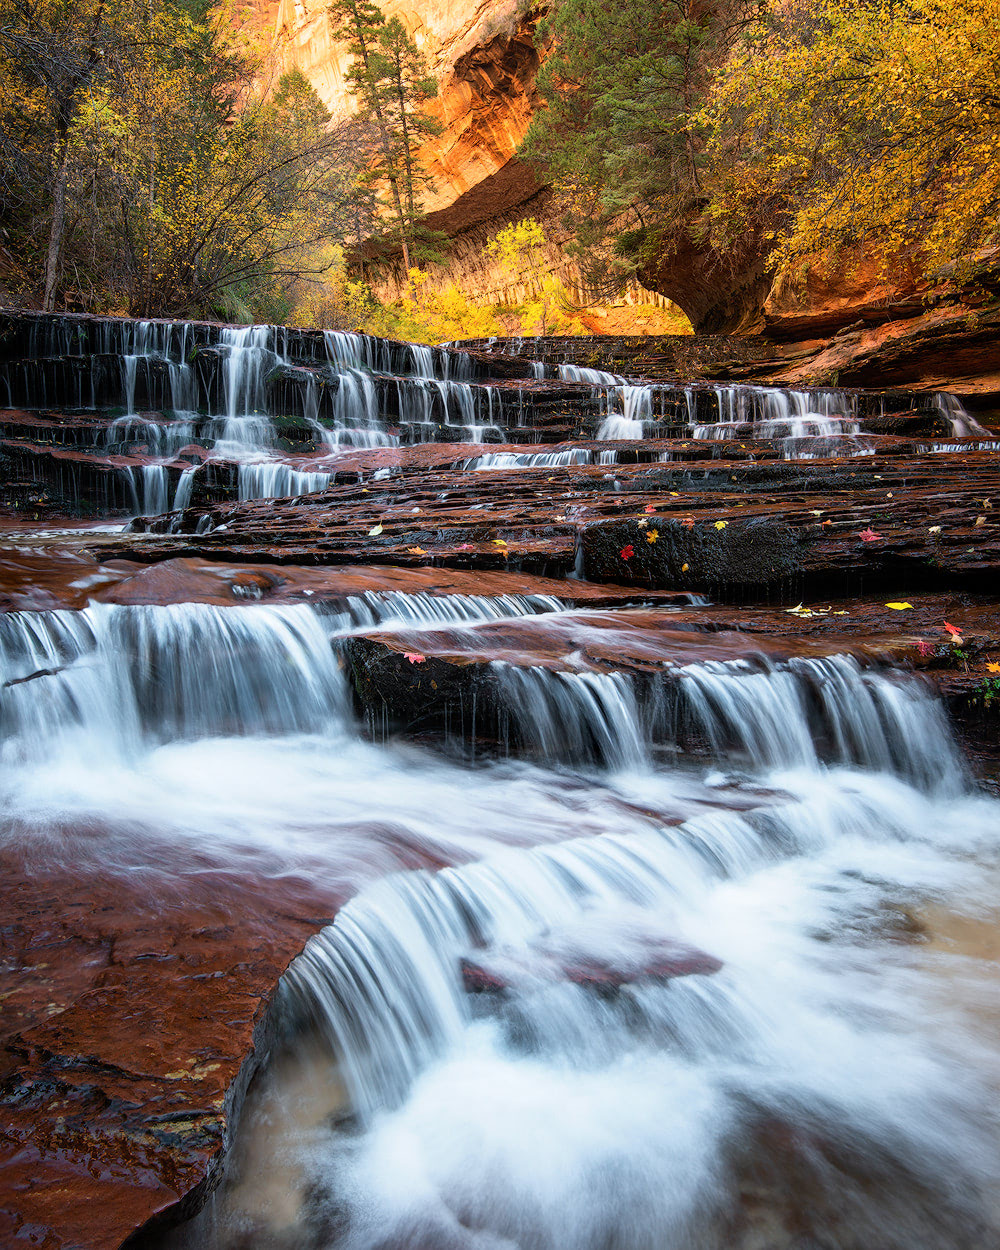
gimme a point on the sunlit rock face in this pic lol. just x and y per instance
(484, 58)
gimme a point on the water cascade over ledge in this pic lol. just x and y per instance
(496, 804)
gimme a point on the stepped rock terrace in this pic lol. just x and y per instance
(421, 765)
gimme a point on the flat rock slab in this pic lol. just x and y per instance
(131, 1012)
(701, 525)
(69, 576)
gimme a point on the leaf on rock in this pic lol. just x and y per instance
(899, 606)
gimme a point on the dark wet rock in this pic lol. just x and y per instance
(791, 524)
(757, 551)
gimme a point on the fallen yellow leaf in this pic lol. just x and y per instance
(993, 668)
(375, 529)
(721, 525)
(685, 567)
(899, 607)
(416, 551)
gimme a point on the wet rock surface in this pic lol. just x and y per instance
(133, 1017)
(661, 962)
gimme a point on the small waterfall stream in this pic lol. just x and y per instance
(621, 952)
(622, 993)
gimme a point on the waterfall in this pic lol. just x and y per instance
(596, 377)
(808, 424)
(397, 607)
(575, 717)
(122, 675)
(529, 460)
(590, 990)
(830, 708)
(273, 480)
(506, 1108)
(963, 424)
(150, 487)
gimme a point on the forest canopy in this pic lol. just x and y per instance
(153, 164)
(807, 127)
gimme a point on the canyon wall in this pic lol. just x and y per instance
(485, 57)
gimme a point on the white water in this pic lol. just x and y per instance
(234, 402)
(808, 424)
(271, 479)
(828, 1083)
(529, 460)
(963, 424)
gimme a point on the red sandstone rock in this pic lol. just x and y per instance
(132, 1009)
(663, 962)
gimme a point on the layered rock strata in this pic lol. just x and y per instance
(600, 527)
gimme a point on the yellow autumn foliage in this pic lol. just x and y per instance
(845, 122)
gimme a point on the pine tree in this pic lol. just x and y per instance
(390, 80)
(620, 134)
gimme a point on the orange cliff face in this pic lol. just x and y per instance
(484, 59)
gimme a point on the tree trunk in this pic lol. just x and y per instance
(58, 225)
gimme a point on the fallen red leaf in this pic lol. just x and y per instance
(955, 633)
(627, 552)
(868, 535)
(650, 507)
(924, 647)
(414, 657)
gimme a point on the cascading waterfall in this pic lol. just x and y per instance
(619, 996)
(665, 997)
(228, 389)
(793, 715)
(530, 460)
(963, 424)
(150, 486)
(627, 406)
(123, 675)
(576, 717)
(397, 607)
(809, 424)
(273, 480)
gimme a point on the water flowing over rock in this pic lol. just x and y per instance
(526, 793)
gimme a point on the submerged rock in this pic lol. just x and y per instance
(663, 961)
